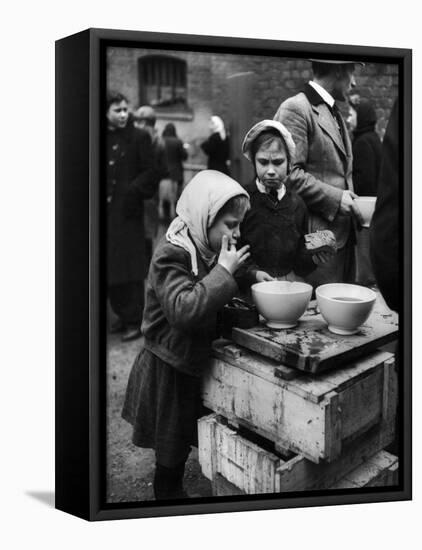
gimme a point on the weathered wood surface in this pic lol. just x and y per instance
(381, 470)
(235, 465)
(311, 347)
(311, 415)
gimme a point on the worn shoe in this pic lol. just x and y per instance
(131, 334)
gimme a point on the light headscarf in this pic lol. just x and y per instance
(197, 208)
(217, 125)
(262, 127)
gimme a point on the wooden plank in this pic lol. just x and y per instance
(300, 474)
(250, 469)
(252, 362)
(283, 412)
(311, 347)
(361, 403)
(333, 427)
(221, 487)
(312, 387)
(377, 471)
(242, 462)
(266, 407)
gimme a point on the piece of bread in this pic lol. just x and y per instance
(320, 241)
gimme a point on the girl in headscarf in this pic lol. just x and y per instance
(276, 224)
(190, 279)
(217, 146)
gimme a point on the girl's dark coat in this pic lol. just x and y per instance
(163, 399)
(275, 235)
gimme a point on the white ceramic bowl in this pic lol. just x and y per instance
(345, 307)
(366, 207)
(281, 302)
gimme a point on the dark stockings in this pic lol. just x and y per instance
(168, 482)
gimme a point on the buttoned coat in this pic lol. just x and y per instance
(132, 177)
(322, 167)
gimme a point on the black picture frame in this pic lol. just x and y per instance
(80, 307)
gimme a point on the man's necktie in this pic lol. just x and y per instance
(339, 120)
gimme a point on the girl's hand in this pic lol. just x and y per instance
(322, 257)
(229, 257)
(262, 276)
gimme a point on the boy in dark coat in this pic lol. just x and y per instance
(131, 178)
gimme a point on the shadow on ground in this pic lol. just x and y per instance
(46, 497)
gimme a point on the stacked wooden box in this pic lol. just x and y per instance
(278, 429)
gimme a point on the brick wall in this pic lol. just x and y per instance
(275, 79)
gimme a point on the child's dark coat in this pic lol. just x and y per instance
(163, 394)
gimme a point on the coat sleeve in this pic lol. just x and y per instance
(304, 263)
(384, 231)
(189, 304)
(145, 183)
(320, 197)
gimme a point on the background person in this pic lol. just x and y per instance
(384, 231)
(176, 154)
(216, 147)
(322, 169)
(145, 119)
(131, 179)
(366, 167)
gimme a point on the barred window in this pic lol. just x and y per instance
(162, 81)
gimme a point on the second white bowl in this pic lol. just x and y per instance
(344, 306)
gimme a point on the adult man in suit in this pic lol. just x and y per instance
(322, 168)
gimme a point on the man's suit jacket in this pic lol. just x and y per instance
(322, 168)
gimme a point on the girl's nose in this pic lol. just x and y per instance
(236, 233)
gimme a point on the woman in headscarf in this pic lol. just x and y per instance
(217, 146)
(190, 279)
(275, 225)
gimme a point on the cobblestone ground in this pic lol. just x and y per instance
(129, 468)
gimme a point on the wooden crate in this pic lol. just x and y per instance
(312, 415)
(381, 470)
(237, 465)
(312, 348)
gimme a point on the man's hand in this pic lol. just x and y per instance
(348, 207)
(229, 257)
(262, 276)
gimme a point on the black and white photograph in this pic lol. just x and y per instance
(210, 309)
(254, 274)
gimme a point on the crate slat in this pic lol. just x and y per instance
(255, 470)
(313, 416)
